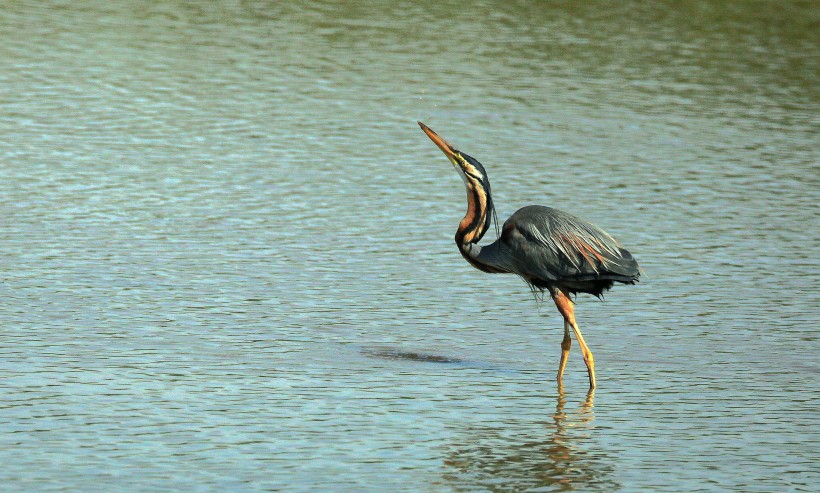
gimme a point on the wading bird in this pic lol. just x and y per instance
(551, 250)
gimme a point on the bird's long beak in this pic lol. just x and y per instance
(446, 148)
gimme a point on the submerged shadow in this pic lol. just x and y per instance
(548, 455)
(397, 354)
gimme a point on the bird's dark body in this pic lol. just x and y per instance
(550, 248)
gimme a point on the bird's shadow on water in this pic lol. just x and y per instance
(395, 354)
(391, 353)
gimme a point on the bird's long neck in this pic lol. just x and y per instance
(476, 222)
(477, 219)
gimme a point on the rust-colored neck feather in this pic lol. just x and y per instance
(477, 220)
(473, 226)
(475, 223)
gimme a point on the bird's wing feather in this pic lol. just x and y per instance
(550, 244)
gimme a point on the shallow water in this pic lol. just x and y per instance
(228, 264)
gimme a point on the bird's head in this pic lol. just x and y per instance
(480, 203)
(471, 171)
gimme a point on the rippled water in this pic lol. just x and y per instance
(228, 265)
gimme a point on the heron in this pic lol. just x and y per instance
(551, 250)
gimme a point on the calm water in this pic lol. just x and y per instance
(227, 258)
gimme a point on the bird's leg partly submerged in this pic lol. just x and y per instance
(565, 345)
(567, 309)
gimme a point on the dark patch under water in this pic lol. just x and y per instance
(397, 354)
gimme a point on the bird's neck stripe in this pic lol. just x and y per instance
(474, 224)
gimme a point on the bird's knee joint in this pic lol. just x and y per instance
(566, 343)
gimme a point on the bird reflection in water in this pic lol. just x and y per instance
(534, 455)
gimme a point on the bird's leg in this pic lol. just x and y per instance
(565, 344)
(588, 359)
(565, 306)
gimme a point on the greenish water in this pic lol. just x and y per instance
(227, 259)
